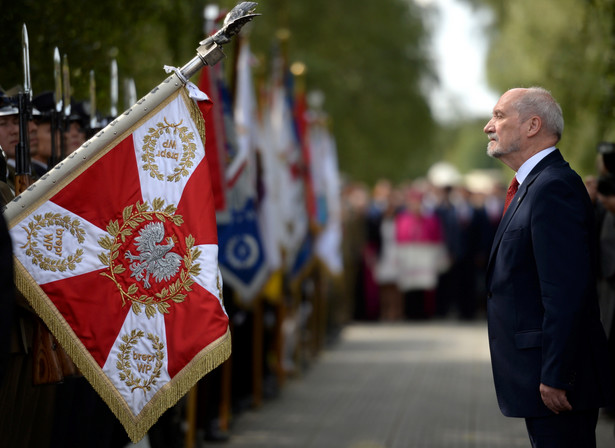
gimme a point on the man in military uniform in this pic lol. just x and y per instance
(26, 414)
(9, 138)
(45, 104)
(9, 134)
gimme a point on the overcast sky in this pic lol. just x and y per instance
(459, 50)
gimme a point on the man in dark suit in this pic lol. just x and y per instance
(548, 348)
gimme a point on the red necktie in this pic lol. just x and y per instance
(512, 189)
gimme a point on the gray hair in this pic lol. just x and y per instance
(539, 101)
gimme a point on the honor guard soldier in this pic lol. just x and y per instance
(46, 143)
(9, 134)
(76, 133)
(26, 414)
(9, 137)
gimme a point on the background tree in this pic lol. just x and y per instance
(367, 57)
(91, 34)
(566, 46)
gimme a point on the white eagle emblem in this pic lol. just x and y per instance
(154, 259)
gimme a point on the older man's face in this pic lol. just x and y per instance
(504, 127)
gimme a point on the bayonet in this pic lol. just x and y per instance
(57, 78)
(114, 89)
(22, 150)
(66, 86)
(93, 120)
(27, 85)
(66, 103)
(130, 92)
(56, 113)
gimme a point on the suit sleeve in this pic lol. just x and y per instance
(561, 240)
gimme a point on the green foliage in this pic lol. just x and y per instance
(141, 36)
(367, 58)
(565, 46)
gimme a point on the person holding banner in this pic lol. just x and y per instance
(76, 134)
(26, 414)
(40, 161)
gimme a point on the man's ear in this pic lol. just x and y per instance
(535, 124)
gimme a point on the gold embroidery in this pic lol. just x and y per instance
(170, 132)
(124, 365)
(133, 217)
(53, 242)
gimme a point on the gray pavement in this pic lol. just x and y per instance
(417, 385)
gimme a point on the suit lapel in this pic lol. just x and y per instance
(554, 157)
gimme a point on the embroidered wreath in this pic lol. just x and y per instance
(133, 217)
(123, 361)
(53, 219)
(188, 149)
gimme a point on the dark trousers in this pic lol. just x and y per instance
(564, 430)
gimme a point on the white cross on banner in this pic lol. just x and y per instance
(116, 250)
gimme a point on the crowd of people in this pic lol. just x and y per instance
(423, 244)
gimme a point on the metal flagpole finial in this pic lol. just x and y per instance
(210, 50)
(233, 22)
(130, 92)
(66, 85)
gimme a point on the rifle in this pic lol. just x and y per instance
(67, 367)
(66, 104)
(49, 360)
(55, 124)
(24, 102)
(93, 126)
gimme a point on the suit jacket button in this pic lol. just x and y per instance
(489, 294)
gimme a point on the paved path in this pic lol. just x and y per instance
(411, 385)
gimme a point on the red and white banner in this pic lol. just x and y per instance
(120, 259)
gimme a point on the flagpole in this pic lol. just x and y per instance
(191, 415)
(208, 53)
